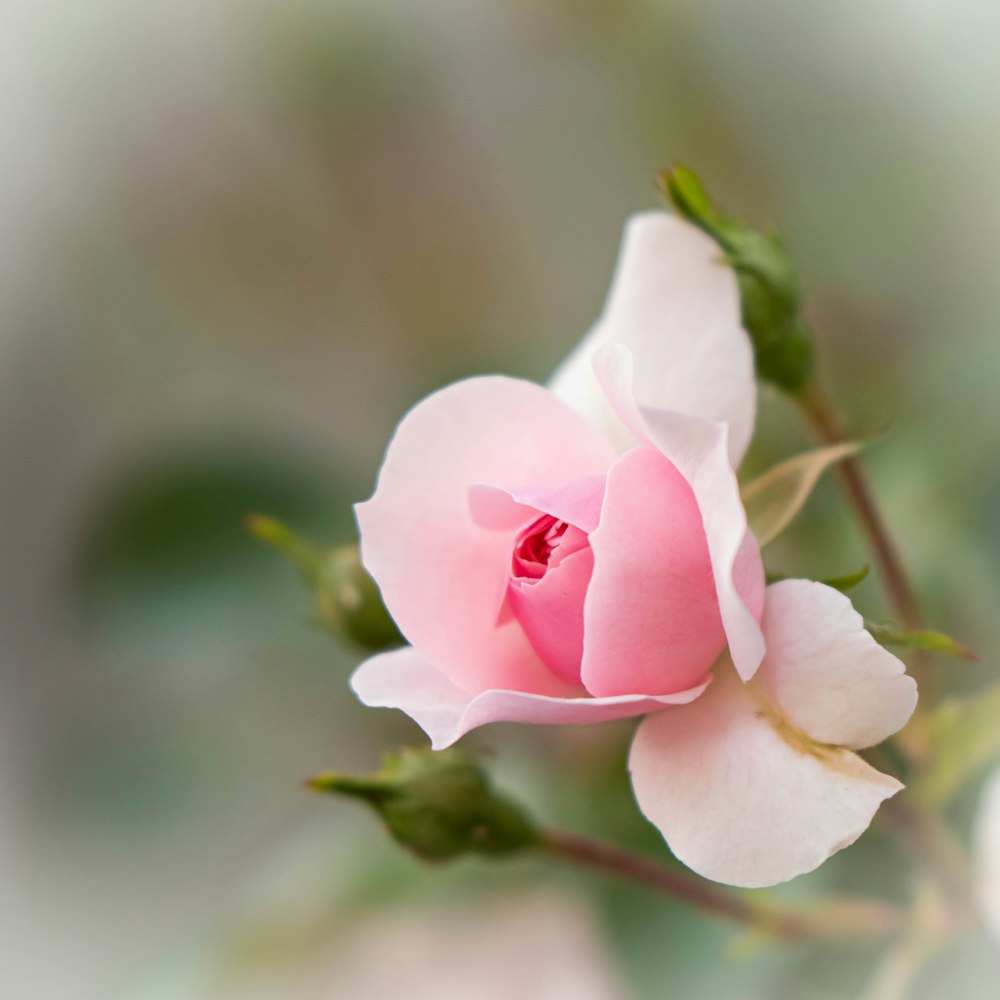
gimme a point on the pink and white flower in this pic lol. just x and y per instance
(581, 553)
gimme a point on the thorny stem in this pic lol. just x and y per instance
(862, 919)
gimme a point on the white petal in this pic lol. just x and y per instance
(751, 785)
(575, 383)
(740, 803)
(676, 305)
(825, 673)
(402, 679)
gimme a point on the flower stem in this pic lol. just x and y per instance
(847, 918)
(829, 430)
(902, 596)
(927, 834)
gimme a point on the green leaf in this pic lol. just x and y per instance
(841, 583)
(346, 600)
(965, 735)
(923, 639)
(849, 581)
(773, 499)
(438, 804)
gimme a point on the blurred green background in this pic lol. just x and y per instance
(240, 239)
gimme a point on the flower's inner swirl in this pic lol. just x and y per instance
(550, 567)
(534, 547)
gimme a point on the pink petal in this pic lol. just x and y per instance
(402, 679)
(825, 673)
(439, 571)
(749, 580)
(699, 451)
(676, 306)
(550, 611)
(739, 803)
(651, 617)
(577, 502)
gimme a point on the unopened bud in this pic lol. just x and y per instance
(769, 285)
(437, 804)
(346, 600)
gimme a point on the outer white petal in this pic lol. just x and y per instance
(575, 383)
(676, 306)
(825, 673)
(402, 679)
(698, 448)
(986, 853)
(737, 801)
(752, 784)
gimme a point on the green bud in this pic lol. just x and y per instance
(437, 804)
(770, 293)
(346, 601)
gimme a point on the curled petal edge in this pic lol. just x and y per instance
(699, 449)
(675, 303)
(402, 679)
(744, 801)
(756, 783)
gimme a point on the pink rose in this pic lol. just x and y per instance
(581, 553)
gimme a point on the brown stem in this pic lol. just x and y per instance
(842, 918)
(829, 429)
(901, 594)
(926, 833)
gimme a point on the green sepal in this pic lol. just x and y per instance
(842, 583)
(770, 292)
(346, 600)
(773, 499)
(437, 804)
(848, 581)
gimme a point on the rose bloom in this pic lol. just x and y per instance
(580, 553)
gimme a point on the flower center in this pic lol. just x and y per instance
(534, 547)
(550, 567)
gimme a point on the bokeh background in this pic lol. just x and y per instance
(239, 238)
